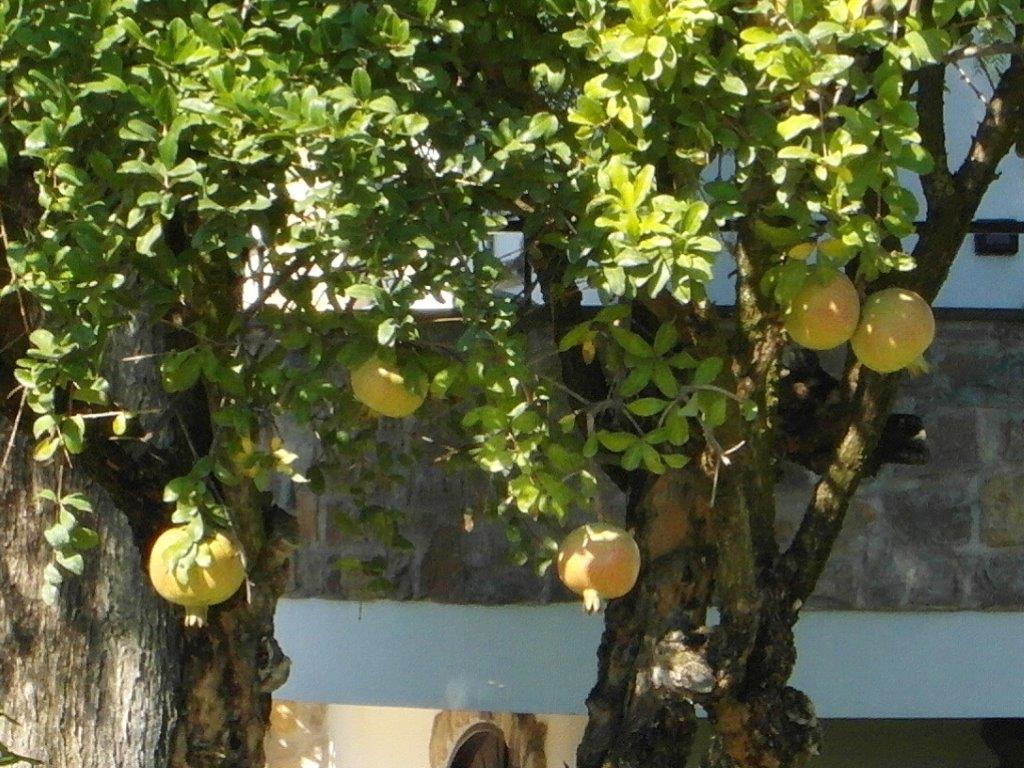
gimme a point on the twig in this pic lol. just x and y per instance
(980, 51)
(14, 429)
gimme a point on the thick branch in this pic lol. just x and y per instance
(807, 554)
(931, 104)
(564, 302)
(999, 129)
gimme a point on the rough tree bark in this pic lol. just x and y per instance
(109, 676)
(93, 681)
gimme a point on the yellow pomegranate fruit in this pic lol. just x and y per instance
(896, 327)
(598, 561)
(824, 312)
(207, 585)
(383, 390)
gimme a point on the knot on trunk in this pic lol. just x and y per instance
(679, 666)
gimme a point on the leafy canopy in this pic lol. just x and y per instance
(324, 155)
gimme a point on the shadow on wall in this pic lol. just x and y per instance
(297, 737)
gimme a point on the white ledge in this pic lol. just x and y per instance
(542, 659)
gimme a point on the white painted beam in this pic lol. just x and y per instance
(542, 659)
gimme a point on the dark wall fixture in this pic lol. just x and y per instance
(996, 237)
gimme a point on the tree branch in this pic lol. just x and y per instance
(951, 209)
(808, 553)
(931, 104)
(983, 51)
(564, 302)
(996, 134)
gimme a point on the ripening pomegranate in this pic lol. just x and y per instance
(383, 390)
(207, 585)
(896, 327)
(598, 561)
(824, 312)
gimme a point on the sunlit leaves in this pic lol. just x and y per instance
(283, 196)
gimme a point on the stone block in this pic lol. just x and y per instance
(307, 512)
(837, 587)
(937, 514)
(952, 439)
(442, 569)
(996, 581)
(1002, 509)
(934, 580)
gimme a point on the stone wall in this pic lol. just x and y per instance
(946, 535)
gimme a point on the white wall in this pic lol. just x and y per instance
(542, 659)
(379, 737)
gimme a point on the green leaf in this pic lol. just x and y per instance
(675, 460)
(45, 449)
(83, 538)
(928, 46)
(795, 152)
(144, 243)
(361, 85)
(636, 380)
(733, 84)
(387, 329)
(707, 371)
(631, 342)
(664, 379)
(137, 130)
(180, 370)
(758, 35)
(677, 427)
(73, 433)
(666, 338)
(652, 460)
(633, 456)
(616, 442)
(57, 536)
(647, 406)
(44, 425)
(77, 501)
(797, 124)
(74, 562)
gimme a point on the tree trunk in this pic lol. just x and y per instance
(109, 676)
(654, 638)
(232, 667)
(94, 680)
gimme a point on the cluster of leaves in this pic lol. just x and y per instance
(278, 183)
(69, 538)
